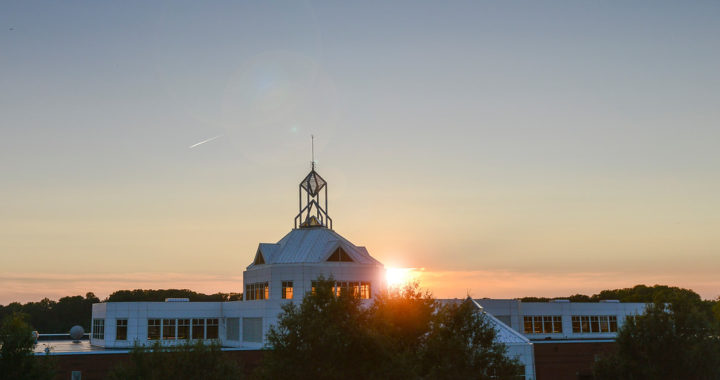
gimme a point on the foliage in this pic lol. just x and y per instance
(17, 360)
(404, 334)
(675, 341)
(159, 295)
(188, 361)
(49, 316)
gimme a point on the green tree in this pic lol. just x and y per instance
(189, 361)
(17, 360)
(325, 337)
(404, 334)
(676, 341)
(462, 345)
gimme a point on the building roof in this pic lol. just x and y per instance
(310, 245)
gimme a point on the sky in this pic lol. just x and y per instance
(501, 149)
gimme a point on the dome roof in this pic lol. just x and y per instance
(310, 245)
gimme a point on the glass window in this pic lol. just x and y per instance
(98, 329)
(365, 290)
(594, 323)
(252, 330)
(121, 329)
(198, 328)
(613, 323)
(212, 328)
(232, 330)
(576, 326)
(537, 324)
(547, 324)
(183, 328)
(168, 329)
(287, 290)
(154, 329)
(604, 326)
(557, 324)
(527, 322)
(585, 323)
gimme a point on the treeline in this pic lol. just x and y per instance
(48, 316)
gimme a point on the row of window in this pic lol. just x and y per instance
(594, 323)
(257, 291)
(552, 324)
(182, 329)
(261, 290)
(543, 324)
(356, 288)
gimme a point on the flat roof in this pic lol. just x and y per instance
(83, 347)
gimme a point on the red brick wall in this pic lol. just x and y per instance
(567, 361)
(97, 366)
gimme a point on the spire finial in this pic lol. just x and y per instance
(312, 143)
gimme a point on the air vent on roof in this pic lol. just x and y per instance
(560, 301)
(177, 299)
(610, 301)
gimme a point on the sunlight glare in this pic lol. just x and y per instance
(398, 276)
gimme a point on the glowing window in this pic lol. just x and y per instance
(287, 290)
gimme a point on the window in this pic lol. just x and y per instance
(594, 323)
(287, 290)
(183, 328)
(257, 291)
(198, 328)
(154, 329)
(365, 290)
(259, 259)
(168, 329)
(98, 329)
(356, 288)
(542, 324)
(340, 256)
(121, 329)
(252, 330)
(232, 332)
(211, 328)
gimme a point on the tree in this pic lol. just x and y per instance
(187, 361)
(17, 360)
(463, 345)
(676, 341)
(325, 337)
(404, 334)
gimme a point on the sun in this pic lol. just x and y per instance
(398, 276)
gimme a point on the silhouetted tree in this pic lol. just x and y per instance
(676, 341)
(188, 361)
(17, 360)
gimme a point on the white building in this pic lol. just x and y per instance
(284, 271)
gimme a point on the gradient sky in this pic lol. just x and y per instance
(503, 149)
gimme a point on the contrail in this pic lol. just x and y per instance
(204, 141)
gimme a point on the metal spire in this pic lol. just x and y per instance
(312, 143)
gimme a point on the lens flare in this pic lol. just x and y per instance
(398, 276)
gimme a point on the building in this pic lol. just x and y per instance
(285, 271)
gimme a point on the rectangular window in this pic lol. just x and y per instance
(613, 323)
(252, 330)
(537, 323)
(287, 290)
(168, 329)
(232, 330)
(557, 324)
(547, 324)
(183, 328)
(594, 324)
(98, 329)
(121, 329)
(154, 329)
(314, 286)
(212, 328)
(365, 290)
(198, 328)
(577, 327)
(527, 321)
(257, 291)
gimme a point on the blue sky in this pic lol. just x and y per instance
(568, 143)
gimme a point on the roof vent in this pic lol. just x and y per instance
(560, 301)
(177, 299)
(610, 301)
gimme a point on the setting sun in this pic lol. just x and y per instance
(398, 276)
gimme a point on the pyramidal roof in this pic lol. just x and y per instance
(310, 245)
